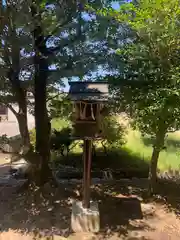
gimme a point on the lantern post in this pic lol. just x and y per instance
(88, 99)
(87, 158)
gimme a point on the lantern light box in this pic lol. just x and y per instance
(88, 99)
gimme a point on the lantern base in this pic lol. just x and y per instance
(85, 220)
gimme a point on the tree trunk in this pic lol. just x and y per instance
(153, 169)
(13, 76)
(21, 117)
(159, 143)
(43, 126)
(23, 129)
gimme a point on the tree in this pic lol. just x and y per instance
(63, 38)
(12, 74)
(70, 46)
(60, 106)
(150, 64)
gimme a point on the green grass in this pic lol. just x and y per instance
(135, 147)
(169, 158)
(58, 124)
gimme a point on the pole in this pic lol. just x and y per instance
(87, 155)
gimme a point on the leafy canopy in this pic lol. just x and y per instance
(151, 60)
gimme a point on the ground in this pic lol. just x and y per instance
(4, 163)
(11, 129)
(126, 212)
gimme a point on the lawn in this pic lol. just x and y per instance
(138, 147)
(58, 124)
(169, 158)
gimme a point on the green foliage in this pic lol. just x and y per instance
(57, 124)
(76, 44)
(60, 107)
(61, 140)
(114, 131)
(32, 135)
(60, 123)
(151, 61)
(140, 146)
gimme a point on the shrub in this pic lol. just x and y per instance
(32, 134)
(114, 132)
(61, 140)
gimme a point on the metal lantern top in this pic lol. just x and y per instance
(89, 91)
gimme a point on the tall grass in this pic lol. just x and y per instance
(169, 158)
(137, 148)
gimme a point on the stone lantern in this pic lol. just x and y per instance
(89, 101)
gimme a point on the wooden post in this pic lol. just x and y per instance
(87, 155)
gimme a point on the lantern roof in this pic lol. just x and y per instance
(89, 91)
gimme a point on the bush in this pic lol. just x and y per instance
(32, 134)
(61, 140)
(114, 132)
(4, 139)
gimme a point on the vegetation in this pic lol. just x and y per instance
(136, 49)
(138, 45)
(142, 148)
(12, 64)
(150, 60)
(57, 45)
(135, 146)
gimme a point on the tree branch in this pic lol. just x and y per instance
(52, 97)
(58, 94)
(56, 28)
(79, 36)
(12, 109)
(66, 43)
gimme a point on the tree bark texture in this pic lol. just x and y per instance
(13, 75)
(23, 129)
(42, 123)
(159, 143)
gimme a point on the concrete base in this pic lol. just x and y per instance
(85, 220)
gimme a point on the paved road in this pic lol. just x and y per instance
(11, 128)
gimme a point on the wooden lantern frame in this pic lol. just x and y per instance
(85, 96)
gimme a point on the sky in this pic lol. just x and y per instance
(100, 71)
(115, 5)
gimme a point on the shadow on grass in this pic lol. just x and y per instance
(121, 161)
(148, 141)
(121, 212)
(119, 209)
(169, 191)
(44, 211)
(47, 211)
(170, 144)
(173, 143)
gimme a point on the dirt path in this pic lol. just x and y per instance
(124, 213)
(161, 225)
(4, 164)
(157, 224)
